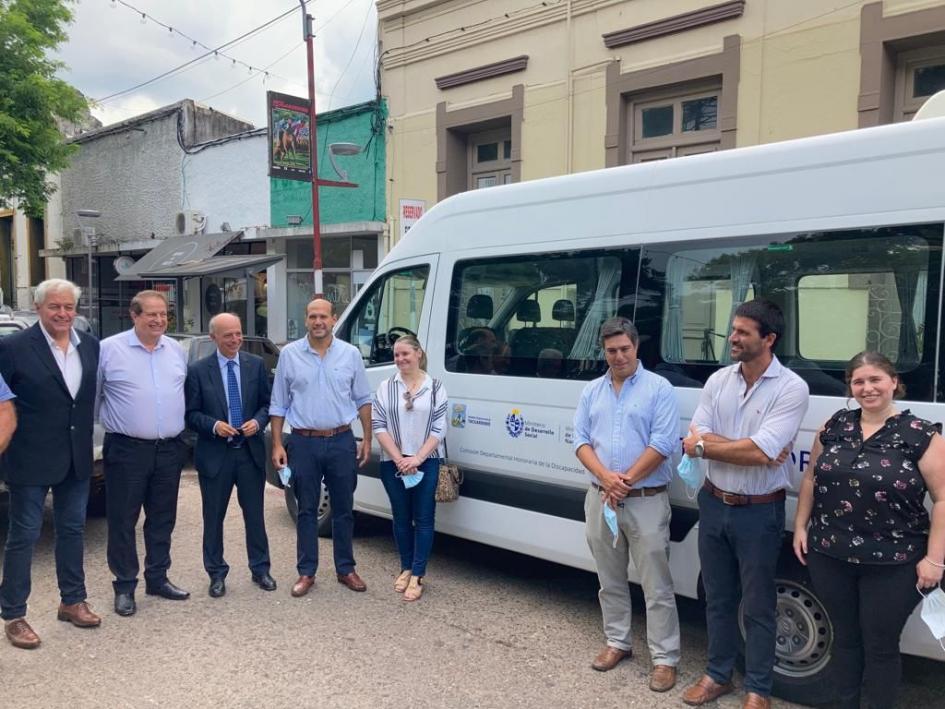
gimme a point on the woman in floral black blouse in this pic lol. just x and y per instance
(872, 539)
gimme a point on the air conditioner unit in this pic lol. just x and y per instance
(191, 221)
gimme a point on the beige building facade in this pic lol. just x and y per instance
(484, 93)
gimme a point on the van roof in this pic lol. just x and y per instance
(884, 175)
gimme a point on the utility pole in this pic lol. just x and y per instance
(308, 33)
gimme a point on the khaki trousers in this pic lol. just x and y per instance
(643, 537)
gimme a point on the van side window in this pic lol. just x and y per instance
(392, 308)
(841, 292)
(537, 315)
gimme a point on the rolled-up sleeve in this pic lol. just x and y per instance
(438, 426)
(279, 403)
(379, 409)
(582, 421)
(782, 423)
(360, 388)
(702, 417)
(664, 432)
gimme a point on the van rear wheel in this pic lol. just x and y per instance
(324, 510)
(804, 638)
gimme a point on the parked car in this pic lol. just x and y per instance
(22, 319)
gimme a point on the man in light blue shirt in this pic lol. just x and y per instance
(141, 378)
(320, 388)
(625, 431)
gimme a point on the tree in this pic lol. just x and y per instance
(31, 99)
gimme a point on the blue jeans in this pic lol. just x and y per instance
(738, 549)
(333, 460)
(413, 512)
(26, 522)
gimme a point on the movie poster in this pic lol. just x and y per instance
(290, 153)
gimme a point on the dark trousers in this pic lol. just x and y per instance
(238, 469)
(70, 498)
(738, 550)
(413, 511)
(138, 474)
(868, 604)
(333, 460)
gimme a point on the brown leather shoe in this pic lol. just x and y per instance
(79, 614)
(662, 678)
(609, 658)
(302, 586)
(352, 581)
(756, 701)
(705, 690)
(21, 635)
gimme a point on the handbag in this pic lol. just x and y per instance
(449, 477)
(449, 480)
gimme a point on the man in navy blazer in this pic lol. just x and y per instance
(51, 369)
(228, 407)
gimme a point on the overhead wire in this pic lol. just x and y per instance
(215, 51)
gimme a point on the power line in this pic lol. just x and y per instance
(355, 51)
(214, 51)
(253, 75)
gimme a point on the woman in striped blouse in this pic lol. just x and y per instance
(409, 421)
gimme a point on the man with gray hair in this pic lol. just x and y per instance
(228, 406)
(625, 431)
(50, 368)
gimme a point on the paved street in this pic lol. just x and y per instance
(493, 629)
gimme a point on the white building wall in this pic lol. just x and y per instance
(229, 183)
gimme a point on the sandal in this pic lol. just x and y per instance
(414, 589)
(402, 581)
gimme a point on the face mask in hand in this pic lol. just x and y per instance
(285, 475)
(412, 480)
(610, 517)
(933, 613)
(690, 472)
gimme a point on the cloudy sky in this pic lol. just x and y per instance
(111, 49)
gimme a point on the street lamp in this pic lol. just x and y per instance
(342, 149)
(90, 234)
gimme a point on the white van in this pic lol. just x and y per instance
(506, 289)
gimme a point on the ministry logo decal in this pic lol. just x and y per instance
(515, 423)
(458, 419)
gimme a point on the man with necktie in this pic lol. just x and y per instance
(228, 406)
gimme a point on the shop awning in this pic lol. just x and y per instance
(195, 255)
(237, 266)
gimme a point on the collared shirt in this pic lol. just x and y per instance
(770, 414)
(315, 392)
(410, 428)
(6, 393)
(69, 362)
(224, 370)
(141, 391)
(621, 427)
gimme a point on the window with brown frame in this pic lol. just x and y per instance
(490, 158)
(669, 123)
(919, 74)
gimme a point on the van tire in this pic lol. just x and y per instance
(803, 669)
(324, 510)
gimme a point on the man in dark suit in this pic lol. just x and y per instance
(51, 369)
(228, 406)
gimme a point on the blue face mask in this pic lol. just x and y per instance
(285, 475)
(690, 472)
(610, 517)
(412, 480)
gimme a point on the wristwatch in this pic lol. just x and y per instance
(699, 449)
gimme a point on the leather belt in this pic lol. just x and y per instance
(641, 491)
(737, 500)
(321, 432)
(147, 441)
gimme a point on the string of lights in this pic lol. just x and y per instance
(215, 52)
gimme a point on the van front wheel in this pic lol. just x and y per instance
(324, 510)
(802, 667)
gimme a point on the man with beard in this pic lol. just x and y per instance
(745, 425)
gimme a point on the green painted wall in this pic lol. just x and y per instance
(362, 124)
